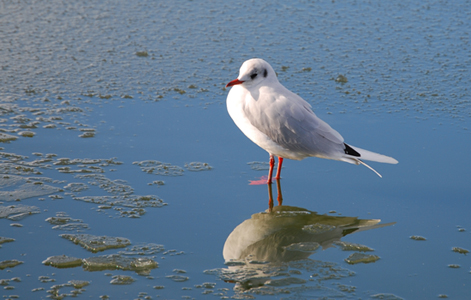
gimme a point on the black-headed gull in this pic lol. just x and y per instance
(284, 124)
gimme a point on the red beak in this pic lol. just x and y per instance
(234, 82)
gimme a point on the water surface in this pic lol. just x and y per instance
(114, 122)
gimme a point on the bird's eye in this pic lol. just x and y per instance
(253, 76)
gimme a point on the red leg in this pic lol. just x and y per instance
(270, 172)
(278, 171)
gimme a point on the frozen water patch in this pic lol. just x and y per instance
(9, 263)
(64, 222)
(76, 187)
(303, 247)
(77, 227)
(143, 249)
(198, 166)
(5, 138)
(17, 212)
(178, 278)
(16, 187)
(318, 228)
(122, 280)
(285, 278)
(122, 200)
(460, 250)
(140, 265)
(116, 187)
(386, 296)
(95, 243)
(159, 168)
(62, 261)
(77, 165)
(6, 240)
(356, 258)
(347, 246)
(126, 206)
(259, 166)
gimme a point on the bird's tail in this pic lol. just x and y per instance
(371, 156)
(358, 155)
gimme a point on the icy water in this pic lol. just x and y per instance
(123, 177)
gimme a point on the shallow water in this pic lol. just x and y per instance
(113, 124)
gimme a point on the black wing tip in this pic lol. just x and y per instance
(350, 151)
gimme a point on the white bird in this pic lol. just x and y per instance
(284, 124)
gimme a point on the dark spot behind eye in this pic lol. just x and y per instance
(265, 73)
(253, 75)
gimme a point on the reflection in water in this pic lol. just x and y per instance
(270, 195)
(268, 252)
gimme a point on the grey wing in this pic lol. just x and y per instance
(292, 124)
(312, 134)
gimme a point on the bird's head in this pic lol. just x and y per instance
(254, 72)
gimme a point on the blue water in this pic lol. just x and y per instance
(407, 96)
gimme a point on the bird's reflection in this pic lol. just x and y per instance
(261, 247)
(270, 195)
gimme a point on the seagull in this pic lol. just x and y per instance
(283, 123)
